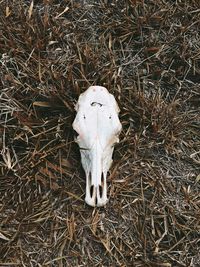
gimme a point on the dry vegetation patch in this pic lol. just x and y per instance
(147, 54)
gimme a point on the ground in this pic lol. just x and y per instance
(144, 52)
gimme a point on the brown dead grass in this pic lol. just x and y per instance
(147, 54)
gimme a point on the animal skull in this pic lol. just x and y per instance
(98, 127)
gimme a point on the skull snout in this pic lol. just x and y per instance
(96, 194)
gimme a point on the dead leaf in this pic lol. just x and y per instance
(4, 237)
(65, 10)
(30, 11)
(8, 11)
(41, 104)
(198, 178)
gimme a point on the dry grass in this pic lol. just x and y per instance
(147, 54)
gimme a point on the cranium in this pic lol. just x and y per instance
(98, 127)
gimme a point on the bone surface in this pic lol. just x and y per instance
(98, 127)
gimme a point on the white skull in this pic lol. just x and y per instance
(98, 127)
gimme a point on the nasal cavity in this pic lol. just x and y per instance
(90, 179)
(100, 191)
(91, 190)
(101, 186)
(102, 179)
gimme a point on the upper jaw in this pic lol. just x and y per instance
(96, 171)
